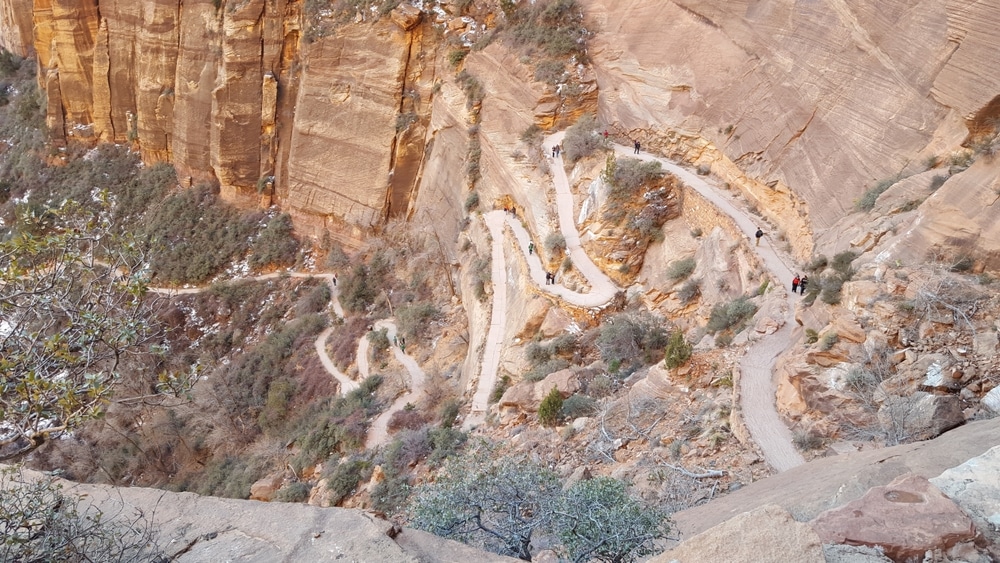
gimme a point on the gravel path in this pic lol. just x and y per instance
(757, 387)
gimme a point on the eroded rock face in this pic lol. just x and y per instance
(906, 518)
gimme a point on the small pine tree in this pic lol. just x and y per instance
(678, 351)
(550, 410)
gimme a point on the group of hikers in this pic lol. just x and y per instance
(556, 151)
(550, 278)
(800, 283)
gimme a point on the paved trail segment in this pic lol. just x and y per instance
(602, 289)
(757, 388)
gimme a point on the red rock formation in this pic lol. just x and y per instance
(906, 518)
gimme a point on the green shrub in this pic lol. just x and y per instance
(456, 56)
(196, 236)
(472, 202)
(681, 269)
(481, 278)
(360, 287)
(314, 302)
(732, 315)
(828, 340)
(532, 135)
(537, 353)
(413, 319)
(723, 339)
(961, 264)
(445, 443)
(296, 491)
(630, 174)
(501, 386)
(811, 336)
(867, 201)
(344, 478)
(807, 441)
(830, 289)
(817, 264)
(633, 338)
(678, 350)
(842, 263)
(555, 243)
(378, 343)
(689, 291)
(938, 181)
(577, 405)
(390, 496)
(449, 412)
(556, 28)
(550, 409)
(550, 71)
(581, 139)
(474, 90)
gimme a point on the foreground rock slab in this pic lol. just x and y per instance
(975, 486)
(194, 528)
(779, 539)
(907, 517)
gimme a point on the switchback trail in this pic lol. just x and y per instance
(757, 387)
(346, 383)
(378, 434)
(602, 289)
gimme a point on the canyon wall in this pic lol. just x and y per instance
(801, 105)
(804, 105)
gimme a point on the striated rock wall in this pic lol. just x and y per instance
(15, 27)
(803, 105)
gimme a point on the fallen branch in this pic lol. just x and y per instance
(705, 475)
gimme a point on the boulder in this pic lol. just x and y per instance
(767, 534)
(906, 518)
(321, 495)
(406, 16)
(565, 380)
(520, 396)
(923, 416)
(556, 322)
(975, 486)
(991, 401)
(847, 328)
(985, 343)
(265, 488)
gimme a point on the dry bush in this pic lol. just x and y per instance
(343, 342)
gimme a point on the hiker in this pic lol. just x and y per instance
(558, 150)
(795, 283)
(636, 147)
(334, 278)
(758, 234)
(555, 150)
(531, 248)
(802, 284)
(605, 134)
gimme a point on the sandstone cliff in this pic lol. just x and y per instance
(802, 106)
